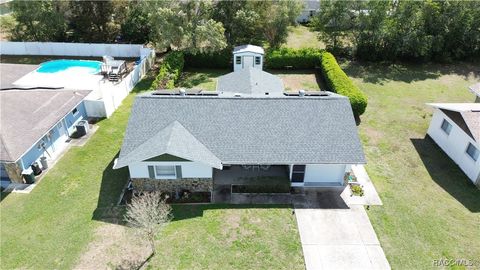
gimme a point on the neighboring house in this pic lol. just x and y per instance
(310, 8)
(475, 89)
(35, 124)
(187, 139)
(455, 127)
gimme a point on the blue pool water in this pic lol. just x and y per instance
(91, 67)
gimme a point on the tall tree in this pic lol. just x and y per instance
(401, 29)
(136, 27)
(39, 20)
(95, 21)
(257, 22)
(186, 26)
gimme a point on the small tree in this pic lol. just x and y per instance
(149, 213)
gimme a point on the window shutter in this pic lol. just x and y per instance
(151, 172)
(178, 168)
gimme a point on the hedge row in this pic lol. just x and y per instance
(170, 71)
(307, 58)
(340, 83)
(221, 59)
(277, 59)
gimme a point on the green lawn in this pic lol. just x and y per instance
(230, 237)
(431, 210)
(52, 227)
(201, 78)
(301, 36)
(48, 228)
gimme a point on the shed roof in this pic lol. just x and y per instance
(251, 81)
(245, 130)
(248, 48)
(26, 116)
(465, 115)
(475, 89)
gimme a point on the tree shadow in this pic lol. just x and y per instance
(447, 174)
(407, 72)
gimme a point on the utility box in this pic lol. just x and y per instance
(247, 56)
(28, 176)
(82, 128)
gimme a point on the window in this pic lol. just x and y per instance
(447, 127)
(257, 60)
(165, 171)
(472, 151)
(74, 111)
(238, 60)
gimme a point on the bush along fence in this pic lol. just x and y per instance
(286, 58)
(221, 59)
(169, 72)
(340, 83)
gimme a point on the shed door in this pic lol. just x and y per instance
(248, 61)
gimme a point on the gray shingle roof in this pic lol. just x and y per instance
(26, 116)
(246, 130)
(251, 81)
(175, 140)
(9, 73)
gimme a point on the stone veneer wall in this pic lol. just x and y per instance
(172, 185)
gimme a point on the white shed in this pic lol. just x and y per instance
(455, 128)
(245, 56)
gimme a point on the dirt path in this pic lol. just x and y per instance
(114, 247)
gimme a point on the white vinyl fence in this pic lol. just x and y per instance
(113, 94)
(70, 49)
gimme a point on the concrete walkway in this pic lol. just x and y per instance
(371, 196)
(335, 235)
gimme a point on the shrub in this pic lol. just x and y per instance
(307, 58)
(170, 71)
(340, 83)
(221, 59)
(357, 190)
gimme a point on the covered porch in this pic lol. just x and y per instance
(237, 180)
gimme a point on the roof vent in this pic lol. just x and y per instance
(237, 95)
(182, 92)
(301, 93)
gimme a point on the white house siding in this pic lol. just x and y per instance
(244, 56)
(189, 169)
(455, 144)
(322, 174)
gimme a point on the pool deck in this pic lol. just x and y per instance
(9, 73)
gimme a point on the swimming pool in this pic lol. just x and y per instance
(84, 66)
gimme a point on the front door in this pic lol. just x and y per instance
(298, 173)
(247, 61)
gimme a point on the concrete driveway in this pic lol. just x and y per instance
(337, 236)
